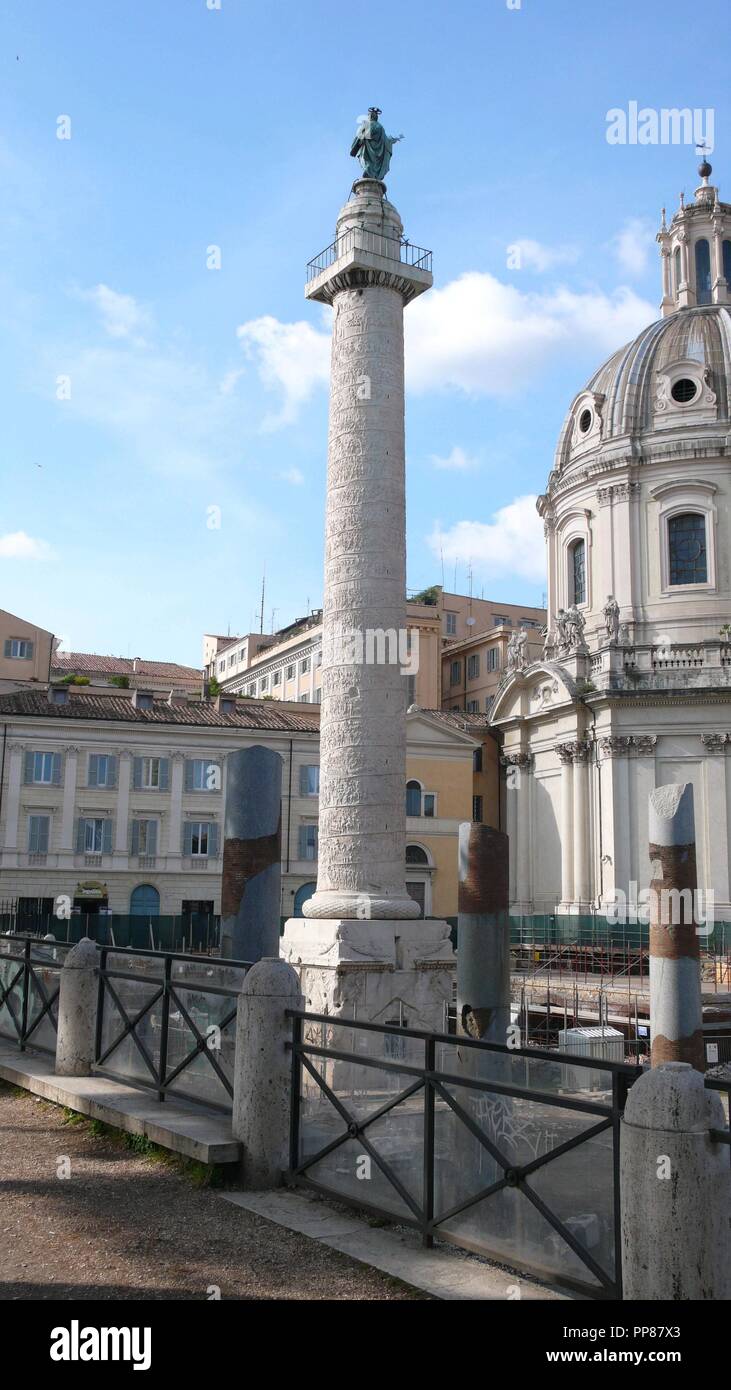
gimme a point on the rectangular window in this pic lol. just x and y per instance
(38, 833)
(252, 690)
(318, 696)
(151, 773)
(43, 768)
(304, 699)
(93, 836)
(289, 673)
(501, 620)
(304, 665)
(308, 842)
(199, 838)
(451, 623)
(309, 781)
(144, 838)
(492, 657)
(473, 667)
(473, 707)
(276, 678)
(410, 690)
(202, 775)
(19, 648)
(477, 808)
(102, 770)
(264, 684)
(477, 760)
(455, 673)
(429, 803)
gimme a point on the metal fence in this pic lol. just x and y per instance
(374, 244)
(166, 1022)
(29, 985)
(183, 932)
(513, 1154)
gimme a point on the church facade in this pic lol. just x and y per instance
(633, 689)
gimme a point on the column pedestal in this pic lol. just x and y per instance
(375, 971)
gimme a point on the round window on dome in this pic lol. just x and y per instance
(684, 390)
(585, 419)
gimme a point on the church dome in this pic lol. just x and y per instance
(675, 374)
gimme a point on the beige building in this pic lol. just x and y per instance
(473, 668)
(106, 799)
(26, 652)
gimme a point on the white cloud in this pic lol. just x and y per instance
(291, 357)
(17, 545)
(632, 246)
(476, 335)
(295, 476)
(489, 339)
(121, 315)
(510, 544)
(534, 255)
(456, 461)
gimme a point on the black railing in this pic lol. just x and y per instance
(30, 977)
(166, 1022)
(373, 243)
(183, 932)
(462, 1150)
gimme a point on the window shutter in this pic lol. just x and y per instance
(164, 774)
(189, 774)
(111, 771)
(93, 770)
(107, 837)
(152, 837)
(212, 840)
(33, 834)
(303, 842)
(43, 824)
(80, 835)
(137, 773)
(56, 771)
(135, 846)
(30, 647)
(188, 838)
(303, 781)
(28, 772)
(8, 647)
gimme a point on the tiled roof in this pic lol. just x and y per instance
(89, 664)
(459, 720)
(249, 714)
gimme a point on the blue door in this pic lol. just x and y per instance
(144, 901)
(301, 897)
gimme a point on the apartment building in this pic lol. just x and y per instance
(463, 615)
(473, 668)
(289, 665)
(115, 799)
(26, 652)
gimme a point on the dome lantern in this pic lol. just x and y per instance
(696, 250)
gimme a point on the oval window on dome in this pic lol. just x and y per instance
(585, 419)
(684, 390)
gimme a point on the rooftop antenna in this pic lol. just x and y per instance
(274, 611)
(470, 620)
(455, 575)
(261, 612)
(441, 553)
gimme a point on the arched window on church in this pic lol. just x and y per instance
(727, 262)
(702, 272)
(676, 272)
(687, 556)
(577, 559)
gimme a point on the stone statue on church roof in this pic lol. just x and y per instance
(372, 147)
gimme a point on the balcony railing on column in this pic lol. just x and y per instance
(372, 243)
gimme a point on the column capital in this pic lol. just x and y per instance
(714, 743)
(615, 745)
(522, 760)
(643, 745)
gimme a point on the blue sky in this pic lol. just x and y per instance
(193, 388)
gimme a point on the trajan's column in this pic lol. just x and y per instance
(361, 910)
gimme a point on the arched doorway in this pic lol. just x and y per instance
(304, 892)
(144, 901)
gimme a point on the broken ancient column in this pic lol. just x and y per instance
(675, 980)
(483, 943)
(251, 890)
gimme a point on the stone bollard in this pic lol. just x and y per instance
(263, 1071)
(77, 1010)
(675, 1185)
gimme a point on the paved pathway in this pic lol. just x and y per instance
(125, 1226)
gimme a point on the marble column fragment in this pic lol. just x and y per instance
(483, 941)
(676, 1012)
(251, 889)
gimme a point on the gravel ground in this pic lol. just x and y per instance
(127, 1226)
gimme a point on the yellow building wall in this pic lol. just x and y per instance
(450, 778)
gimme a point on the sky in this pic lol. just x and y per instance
(163, 381)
